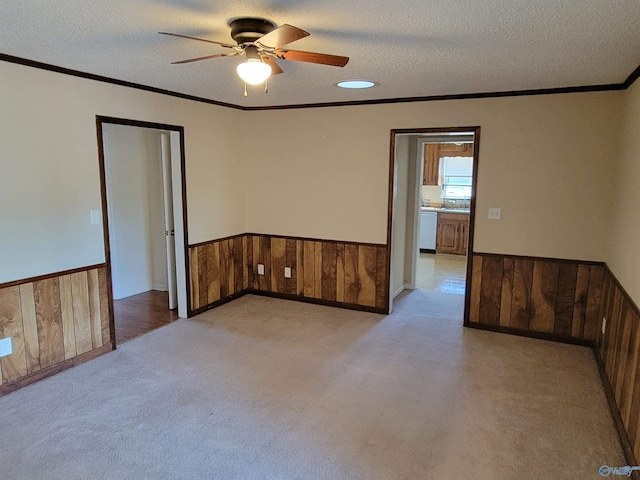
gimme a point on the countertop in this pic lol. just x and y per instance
(444, 210)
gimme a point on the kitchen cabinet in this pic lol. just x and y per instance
(433, 152)
(431, 164)
(453, 233)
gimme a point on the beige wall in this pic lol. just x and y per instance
(322, 172)
(623, 253)
(545, 160)
(49, 164)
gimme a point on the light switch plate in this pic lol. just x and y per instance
(287, 272)
(95, 217)
(495, 213)
(260, 269)
(5, 347)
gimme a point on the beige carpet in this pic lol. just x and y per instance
(271, 389)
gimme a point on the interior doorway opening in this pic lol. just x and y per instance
(142, 177)
(432, 210)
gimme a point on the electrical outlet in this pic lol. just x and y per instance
(287, 272)
(5, 347)
(260, 269)
(604, 324)
(495, 213)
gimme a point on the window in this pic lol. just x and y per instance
(457, 177)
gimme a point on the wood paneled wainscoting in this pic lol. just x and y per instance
(618, 355)
(55, 322)
(541, 297)
(346, 274)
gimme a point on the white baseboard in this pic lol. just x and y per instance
(400, 290)
(160, 288)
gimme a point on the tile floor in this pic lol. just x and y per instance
(442, 273)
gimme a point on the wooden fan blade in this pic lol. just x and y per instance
(282, 36)
(226, 45)
(311, 57)
(218, 55)
(275, 68)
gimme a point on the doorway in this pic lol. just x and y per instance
(144, 223)
(433, 180)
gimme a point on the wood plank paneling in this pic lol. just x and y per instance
(299, 268)
(30, 327)
(594, 292)
(619, 349)
(318, 270)
(521, 294)
(245, 261)
(223, 268)
(14, 366)
(104, 306)
(476, 288)
(213, 272)
(49, 321)
(351, 273)
(193, 280)
(544, 291)
(231, 266)
(537, 294)
(94, 308)
(239, 265)
(329, 271)
(309, 275)
(256, 255)
(507, 288)
(340, 272)
(367, 262)
(491, 292)
(580, 301)
(381, 274)
(68, 324)
(81, 312)
(39, 317)
(265, 259)
(291, 260)
(567, 277)
(278, 254)
(325, 270)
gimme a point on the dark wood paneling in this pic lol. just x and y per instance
(618, 353)
(43, 318)
(278, 253)
(49, 321)
(544, 291)
(291, 261)
(567, 278)
(537, 295)
(382, 296)
(490, 294)
(239, 265)
(521, 294)
(341, 273)
(329, 271)
(351, 273)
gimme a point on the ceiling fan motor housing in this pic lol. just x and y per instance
(248, 30)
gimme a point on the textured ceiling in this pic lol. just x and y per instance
(410, 47)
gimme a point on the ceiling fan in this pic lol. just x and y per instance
(260, 42)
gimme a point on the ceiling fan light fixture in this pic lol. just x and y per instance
(356, 84)
(254, 71)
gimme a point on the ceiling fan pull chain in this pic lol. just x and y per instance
(245, 89)
(266, 86)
